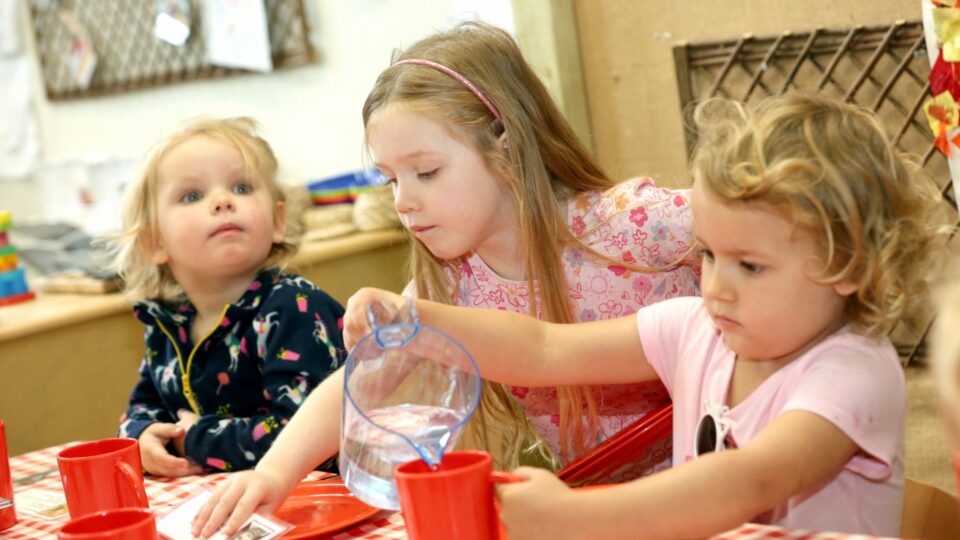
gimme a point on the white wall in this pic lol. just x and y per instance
(311, 115)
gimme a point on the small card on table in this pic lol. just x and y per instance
(177, 524)
(41, 503)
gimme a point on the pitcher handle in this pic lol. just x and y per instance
(132, 483)
(378, 316)
(402, 327)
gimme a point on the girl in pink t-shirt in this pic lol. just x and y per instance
(788, 396)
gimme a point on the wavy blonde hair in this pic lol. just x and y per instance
(543, 166)
(142, 278)
(830, 168)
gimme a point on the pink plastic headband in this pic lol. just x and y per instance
(463, 80)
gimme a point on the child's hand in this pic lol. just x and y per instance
(535, 508)
(153, 451)
(238, 497)
(355, 322)
(186, 421)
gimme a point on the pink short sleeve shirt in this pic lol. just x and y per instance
(852, 381)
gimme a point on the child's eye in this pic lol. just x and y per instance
(751, 268)
(190, 197)
(382, 178)
(428, 174)
(242, 188)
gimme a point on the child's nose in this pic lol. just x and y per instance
(223, 204)
(713, 286)
(403, 199)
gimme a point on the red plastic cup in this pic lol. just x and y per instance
(8, 515)
(454, 501)
(116, 524)
(102, 475)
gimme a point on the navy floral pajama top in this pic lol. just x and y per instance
(246, 378)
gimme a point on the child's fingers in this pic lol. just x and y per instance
(208, 518)
(230, 502)
(245, 507)
(353, 332)
(164, 464)
(354, 328)
(186, 418)
(187, 470)
(532, 473)
(529, 477)
(157, 461)
(165, 430)
(355, 322)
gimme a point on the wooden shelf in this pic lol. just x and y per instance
(50, 311)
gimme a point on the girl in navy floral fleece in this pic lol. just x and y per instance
(233, 345)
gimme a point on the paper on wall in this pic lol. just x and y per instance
(9, 28)
(172, 23)
(81, 59)
(19, 137)
(236, 36)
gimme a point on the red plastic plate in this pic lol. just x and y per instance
(319, 507)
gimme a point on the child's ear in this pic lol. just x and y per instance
(503, 143)
(153, 248)
(279, 222)
(845, 287)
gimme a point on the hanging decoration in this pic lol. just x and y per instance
(945, 77)
(942, 115)
(942, 111)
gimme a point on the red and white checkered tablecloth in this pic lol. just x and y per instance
(166, 493)
(751, 531)
(163, 493)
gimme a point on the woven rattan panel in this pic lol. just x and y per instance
(883, 68)
(131, 57)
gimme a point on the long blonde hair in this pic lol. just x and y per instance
(831, 168)
(544, 165)
(142, 278)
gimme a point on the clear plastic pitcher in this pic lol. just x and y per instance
(408, 391)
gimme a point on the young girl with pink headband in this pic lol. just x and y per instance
(506, 210)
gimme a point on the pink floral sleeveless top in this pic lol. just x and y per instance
(635, 222)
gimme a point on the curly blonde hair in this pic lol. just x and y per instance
(142, 278)
(831, 169)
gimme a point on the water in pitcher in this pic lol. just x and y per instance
(369, 453)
